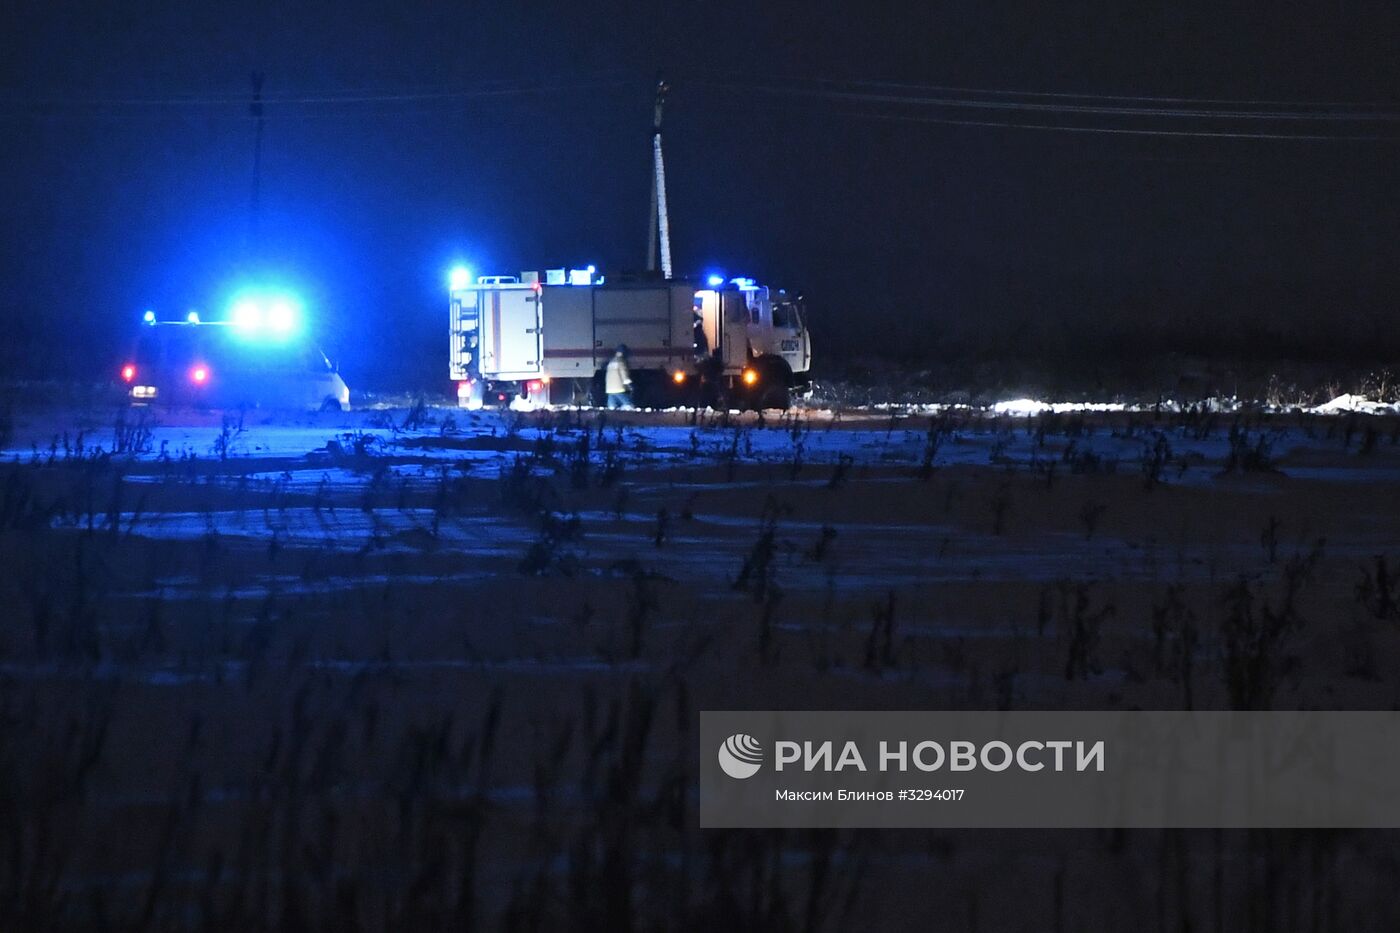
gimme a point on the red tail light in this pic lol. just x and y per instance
(532, 386)
(200, 374)
(128, 372)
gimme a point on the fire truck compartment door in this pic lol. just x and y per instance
(567, 314)
(510, 332)
(637, 317)
(735, 321)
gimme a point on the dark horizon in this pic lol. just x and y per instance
(397, 143)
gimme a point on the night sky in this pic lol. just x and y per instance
(403, 137)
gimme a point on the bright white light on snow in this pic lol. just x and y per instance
(1348, 403)
(1031, 406)
(1021, 406)
(460, 277)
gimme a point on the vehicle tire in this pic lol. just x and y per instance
(775, 396)
(709, 387)
(331, 404)
(652, 389)
(571, 392)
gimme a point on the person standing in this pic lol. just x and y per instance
(618, 379)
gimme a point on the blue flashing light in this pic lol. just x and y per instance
(248, 313)
(192, 317)
(149, 317)
(281, 316)
(716, 281)
(460, 277)
(592, 268)
(258, 315)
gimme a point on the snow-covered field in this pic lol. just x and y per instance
(467, 649)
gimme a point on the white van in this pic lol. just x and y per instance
(214, 365)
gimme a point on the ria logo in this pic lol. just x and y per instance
(740, 756)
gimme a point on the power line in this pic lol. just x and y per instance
(923, 107)
(1067, 95)
(1055, 108)
(1194, 122)
(348, 97)
(1119, 131)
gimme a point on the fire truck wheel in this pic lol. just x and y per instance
(775, 396)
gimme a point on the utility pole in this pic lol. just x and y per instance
(658, 221)
(255, 110)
